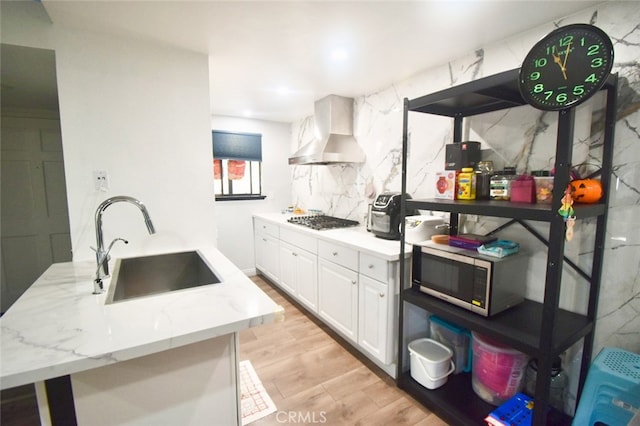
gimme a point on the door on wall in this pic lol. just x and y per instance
(35, 223)
(34, 228)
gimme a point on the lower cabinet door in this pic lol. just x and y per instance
(307, 279)
(373, 317)
(287, 268)
(338, 298)
(268, 256)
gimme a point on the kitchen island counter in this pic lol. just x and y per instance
(58, 327)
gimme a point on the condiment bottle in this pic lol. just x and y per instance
(466, 184)
(484, 171)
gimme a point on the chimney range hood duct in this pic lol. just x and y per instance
(334, 123)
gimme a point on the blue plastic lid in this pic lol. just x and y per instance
(446, 324)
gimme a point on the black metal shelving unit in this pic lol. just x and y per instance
(541, 330)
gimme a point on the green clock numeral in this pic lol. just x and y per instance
(534, 75)
(566, 40)
(597, 62)
(591, 78)
(561, 98)
(593, 49)
(540, 62)
(538, 88)
(548, 94)
(578, 90)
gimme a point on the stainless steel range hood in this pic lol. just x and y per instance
(336, 144)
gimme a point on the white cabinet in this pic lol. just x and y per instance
(338, 302)
(267, 250)
(287, 269)
(377, 306)
(299, 274)
(373, 301)
(351, 290)
(338, 287)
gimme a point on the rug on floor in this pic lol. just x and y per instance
(255, 400)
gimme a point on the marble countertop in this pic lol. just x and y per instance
(356, 237)
(59, 327)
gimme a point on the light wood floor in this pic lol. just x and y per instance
(312, 375)
(310, 371)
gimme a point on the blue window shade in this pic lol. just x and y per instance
(237, 146)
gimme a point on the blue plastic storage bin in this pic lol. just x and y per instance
(611, 393)
(455, 338)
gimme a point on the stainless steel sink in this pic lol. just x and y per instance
(150, 275)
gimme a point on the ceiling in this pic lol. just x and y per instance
(273, 59)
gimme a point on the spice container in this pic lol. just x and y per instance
(500, 184)
(484, 171)
(466, 184)
(544, 186)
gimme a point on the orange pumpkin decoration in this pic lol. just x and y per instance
(586, 190)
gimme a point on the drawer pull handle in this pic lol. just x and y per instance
(264, 239)
(335, 253)
(381, 294)
(353, 282)
(370, 266)
(295, 254)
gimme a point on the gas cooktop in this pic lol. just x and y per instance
(321, 222)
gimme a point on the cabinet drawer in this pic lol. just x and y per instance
(264, 227)
(339, 254)
(298, 239)
(374, 267)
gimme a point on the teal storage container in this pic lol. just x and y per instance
(455, 338)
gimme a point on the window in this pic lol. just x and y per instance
(237, 165)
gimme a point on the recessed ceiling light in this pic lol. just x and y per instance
(283, 90)
(339, 54)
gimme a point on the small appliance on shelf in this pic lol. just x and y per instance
(385, 216)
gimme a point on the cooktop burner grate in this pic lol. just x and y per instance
(322, 222)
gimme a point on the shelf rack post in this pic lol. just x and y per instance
(555, 257)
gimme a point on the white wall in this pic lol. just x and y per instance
(235, 226)
(139, 111)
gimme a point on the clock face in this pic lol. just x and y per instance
(566, 67)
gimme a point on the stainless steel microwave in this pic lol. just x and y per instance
(479, 283)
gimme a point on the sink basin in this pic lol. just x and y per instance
(150, 275)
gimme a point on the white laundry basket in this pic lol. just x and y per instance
(430, 362)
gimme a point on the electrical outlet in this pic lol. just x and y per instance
(101, 180)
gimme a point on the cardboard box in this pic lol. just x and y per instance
(461, 154)
(446, 184)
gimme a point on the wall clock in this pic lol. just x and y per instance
(566, 67)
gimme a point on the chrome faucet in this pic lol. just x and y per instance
(102, 255)
(97, 282)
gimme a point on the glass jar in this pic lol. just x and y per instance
(500, 184)
(557, 385)
(484, 171)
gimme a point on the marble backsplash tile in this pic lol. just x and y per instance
(523, 137)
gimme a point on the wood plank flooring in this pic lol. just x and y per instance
(312, 375)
